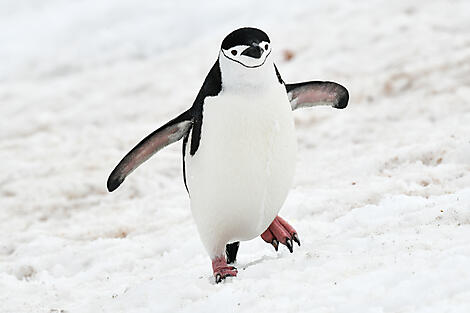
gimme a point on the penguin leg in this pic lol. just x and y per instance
(281, 232)
(222, 270)
(231, 250)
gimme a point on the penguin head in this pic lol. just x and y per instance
(247, 47)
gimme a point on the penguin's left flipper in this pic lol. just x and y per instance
(171, 132)
(308, 94)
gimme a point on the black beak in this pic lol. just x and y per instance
(254, 51)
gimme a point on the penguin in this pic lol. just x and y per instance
(239, 147)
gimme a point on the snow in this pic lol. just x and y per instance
(381, 197)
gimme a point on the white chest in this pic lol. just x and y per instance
(241, 174)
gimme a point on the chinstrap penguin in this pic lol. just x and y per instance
(239, 147)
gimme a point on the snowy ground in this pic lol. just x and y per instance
(382, 192)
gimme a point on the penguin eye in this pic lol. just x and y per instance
(234, 52)
(266, 46)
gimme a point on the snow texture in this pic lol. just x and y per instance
(381, 196)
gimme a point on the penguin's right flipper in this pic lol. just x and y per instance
(171, 132)
(313, 93)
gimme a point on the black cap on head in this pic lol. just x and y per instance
(244, 36)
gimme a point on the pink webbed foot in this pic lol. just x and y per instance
(281, 232)
(222, 270)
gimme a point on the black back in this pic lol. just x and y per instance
(210, 88)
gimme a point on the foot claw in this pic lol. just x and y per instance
(275, 244)
(296, 238)
(289, 245)
(224, 274)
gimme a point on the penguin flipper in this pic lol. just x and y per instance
(169, 133)
(308, 94)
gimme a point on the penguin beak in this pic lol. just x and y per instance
(255, 51)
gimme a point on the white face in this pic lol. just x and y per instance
(249, 56)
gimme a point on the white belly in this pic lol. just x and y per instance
(241, 174)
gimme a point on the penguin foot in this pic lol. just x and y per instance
(281, 232)
(222, 270)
